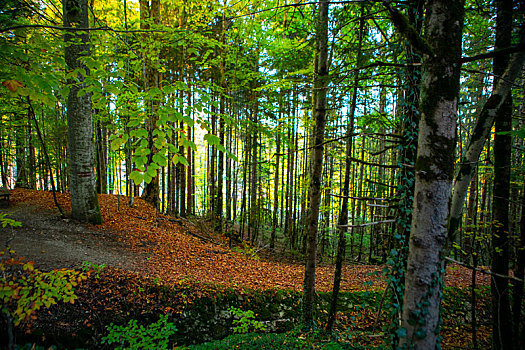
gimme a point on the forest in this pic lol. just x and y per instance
(308, 140)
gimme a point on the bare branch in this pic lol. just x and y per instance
(368, 224)
(487, 272)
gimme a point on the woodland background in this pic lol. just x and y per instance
(208, 109)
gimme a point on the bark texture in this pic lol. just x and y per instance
(84, 200)
(484, 124)
(434, 173)
(319, 114)
(502, 335)
(150, 14)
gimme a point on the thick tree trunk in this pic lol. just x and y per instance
(434, 173)
(502, 330)
(320, 85)
(84, 200)
(150, 12)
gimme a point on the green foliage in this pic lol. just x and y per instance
(88, 266)
(247, 250)
(135, 336)
(7, 221)
(24, 289)
(255, 341)
(245, 321)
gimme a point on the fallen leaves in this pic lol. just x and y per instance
(171, 251)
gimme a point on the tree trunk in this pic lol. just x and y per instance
(84, 200)
(482, 129)
(502, 330)
(20, 151)
(434, 173)
(276, 185)
(102, 164)
(517, 292)
(320, 85)
(150, 13)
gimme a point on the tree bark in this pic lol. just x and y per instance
(20, 151)
(276, 185)
(502, 330)
(434, 173)
(150, 13)
(482, 129)
(84, 200)
(320, 85)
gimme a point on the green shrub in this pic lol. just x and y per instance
(89, 267)
(245, 321)
(255, 341)
(135, 336)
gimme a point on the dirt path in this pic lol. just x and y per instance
(53, 242)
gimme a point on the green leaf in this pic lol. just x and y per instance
(140, 133)
(160, 159)
(117, 142)
(175, 159)
(183, 160)
(212, 139)
(133, 123)
(151, 171)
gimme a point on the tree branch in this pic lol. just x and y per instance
(487, 272)
(408, 31)
(368, 224)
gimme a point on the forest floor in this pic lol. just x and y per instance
(137, 241)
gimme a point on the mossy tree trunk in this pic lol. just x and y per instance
(434, 172)
(84, 200)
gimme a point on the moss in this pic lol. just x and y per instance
(440, 165)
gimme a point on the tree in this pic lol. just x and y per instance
(84, 200)
(502, 337)
(441, 50)
(320, 86)
(150, 14)
(342, 221)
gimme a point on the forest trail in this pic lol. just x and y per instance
(165, 249)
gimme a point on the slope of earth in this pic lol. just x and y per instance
(160, 264)
(154, 245)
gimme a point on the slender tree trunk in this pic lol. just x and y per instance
(343, 214)
(20, 146)
(102, 164)
(84, 200)
(482, 129)
(276, 188)
(253, 226)
(434, 173)
(222, 126)
(517, 292)
(320, 85)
